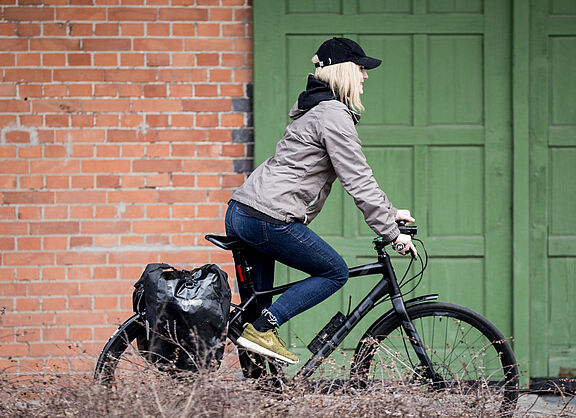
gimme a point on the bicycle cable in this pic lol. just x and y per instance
(420, 274)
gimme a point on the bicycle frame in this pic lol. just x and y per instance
(388, 285)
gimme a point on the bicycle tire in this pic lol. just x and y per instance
(466, 349)
(122, 353)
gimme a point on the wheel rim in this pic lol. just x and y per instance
(469, 363)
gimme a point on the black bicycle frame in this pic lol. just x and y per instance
(388, 285)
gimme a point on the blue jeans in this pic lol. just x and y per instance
(294, 245)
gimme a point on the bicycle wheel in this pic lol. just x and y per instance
(121, 357)
(471, 355)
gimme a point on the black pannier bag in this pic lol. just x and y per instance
(186, 315)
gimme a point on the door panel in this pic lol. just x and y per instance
(552, 188)
(436, 132)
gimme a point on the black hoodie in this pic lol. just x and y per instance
(316, 91)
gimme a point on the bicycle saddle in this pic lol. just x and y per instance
(227, 243)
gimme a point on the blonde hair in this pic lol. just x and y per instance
(344, 81)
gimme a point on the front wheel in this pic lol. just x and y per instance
(471, 356)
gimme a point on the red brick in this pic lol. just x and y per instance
(105, 287)
(183, 120)
(54, 44)
(53, 303)
(56, 212)
(231, 90)
(132, 13)
(208, 59)
(28, 335)
(13, 350)
(186, 180)
(55, 29)
(80, 90)
(157, 60)
(155, 90)
(55, 243)
(235, 29)
(220, 14)
(107, 227)
(188, 14)
(181, 196)
(132, 60)
(54, 334)
(106, 105)
(208, 29)
(28, 258)
(207, 121)
(23, 60)
(232, 120)
(206, 90)
(29, 13)
(81, 212)
(233, 60)
(106, 272)
(28, 197)
(107, 29)
(106, 303)
(79, 59)
(157, 120)
(7, 244)
(80, 334)
(14, 105)
(75, 14)
(158, 29)
(80, 303)
(132, 29)
(9, 29)
(107, 120)
(54, 60)
(75, 75)
(105, 90)
(105, 60)
(108, 151)
(207, 105)
(13, 289)
(209, 45)
(82, 182)
(80, 196)
(80, 29)
(106, 44)
(53, 273)
(156, 105)
(188, 75)
(183, 29)
(138, 196)
(181, 90)
(132, 76)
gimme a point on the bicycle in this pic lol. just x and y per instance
(419, 341)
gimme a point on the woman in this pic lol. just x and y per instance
(271, 209)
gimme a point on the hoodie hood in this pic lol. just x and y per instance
(316, 91)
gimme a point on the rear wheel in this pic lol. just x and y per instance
(470, 354)
(121, 357)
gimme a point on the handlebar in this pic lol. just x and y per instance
(407, 230)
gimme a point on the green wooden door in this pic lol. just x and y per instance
(436, 133)
(552, 200)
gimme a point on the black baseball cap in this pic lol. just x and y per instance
(337, 50)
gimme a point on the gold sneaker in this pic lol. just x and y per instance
(267, 343)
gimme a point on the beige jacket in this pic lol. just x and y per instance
(318, 146)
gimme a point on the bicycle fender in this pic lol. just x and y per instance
(119, 331)
(408, 303)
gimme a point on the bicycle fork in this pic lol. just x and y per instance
(408, 327)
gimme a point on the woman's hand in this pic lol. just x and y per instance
(404, 215)
(405, 240)
(406, 245)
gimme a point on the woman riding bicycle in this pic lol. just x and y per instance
(272, 209)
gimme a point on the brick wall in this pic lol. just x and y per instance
(125, 125)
